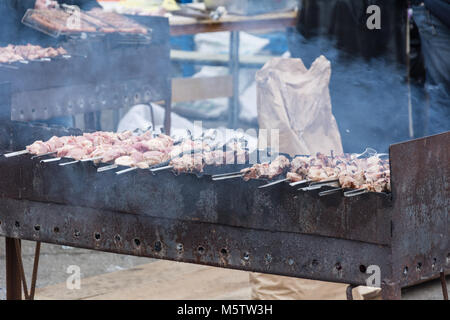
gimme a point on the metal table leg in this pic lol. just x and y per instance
(13, 278)
(444, 286)
(168, 110)
(233, 104)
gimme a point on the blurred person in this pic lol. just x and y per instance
(432, 18)
(368, 85)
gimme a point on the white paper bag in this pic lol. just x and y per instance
(296, 101)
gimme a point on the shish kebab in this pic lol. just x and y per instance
(142, 151)
(347, 171)
(344, 172)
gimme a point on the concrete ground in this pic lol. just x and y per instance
(55, 260)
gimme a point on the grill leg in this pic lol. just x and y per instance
(349, 291)
(13, 278)
(444, 286)
(391, 291)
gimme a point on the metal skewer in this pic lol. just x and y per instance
(273, 183)
(328, 192)
(161, 168)
(107, 168)
(228, 177)
(319, 185)
(354, 193)
(69, 163)
(293, 184)
(226, 174)
(50, 160)
(126, 170)
(16, 153)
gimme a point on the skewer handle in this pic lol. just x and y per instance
(50, 160)
(126, 170)
(354, 193)
(16, 153)
(328, 192)
(228, 177)
(226, 174)
(69, 163)
(293, 184)
(107, 168)
(161, 168)
(273, 183)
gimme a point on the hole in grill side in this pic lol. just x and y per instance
(76, 233)
(55, 229)
(246, 256)
(97, 236)
(419, 267)
(338, 266)
(224, 251)
(158, 246)
(17, 224)
(37, 227)
(405, 270)
(137, 242)
(201, 250)
(117, 238)
(180, 247)
(362, 268)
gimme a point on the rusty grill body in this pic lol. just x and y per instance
(232, 223)
(103, 72)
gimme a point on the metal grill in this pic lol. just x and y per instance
(234, 224)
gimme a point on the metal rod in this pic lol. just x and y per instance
(13, 281)
(37, 253)
(16, 153)
(43, 155)
(354, 193)
(319, 185)
(226, 174)
(161, 168)
(444, 285)
(228, 177)
(68, 163)
(349, 291)
(126, 170)
(50, 160)
(328, 192)
(310, 188)
(273, 183)
(107, 168)
(296, 183)
(21, 270)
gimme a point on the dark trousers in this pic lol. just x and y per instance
(435, 41)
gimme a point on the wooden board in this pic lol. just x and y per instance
(157, 280)
(270, 21)
(192, 89)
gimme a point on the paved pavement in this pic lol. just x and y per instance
(55, 260)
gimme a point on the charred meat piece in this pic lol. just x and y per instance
(266, 170)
